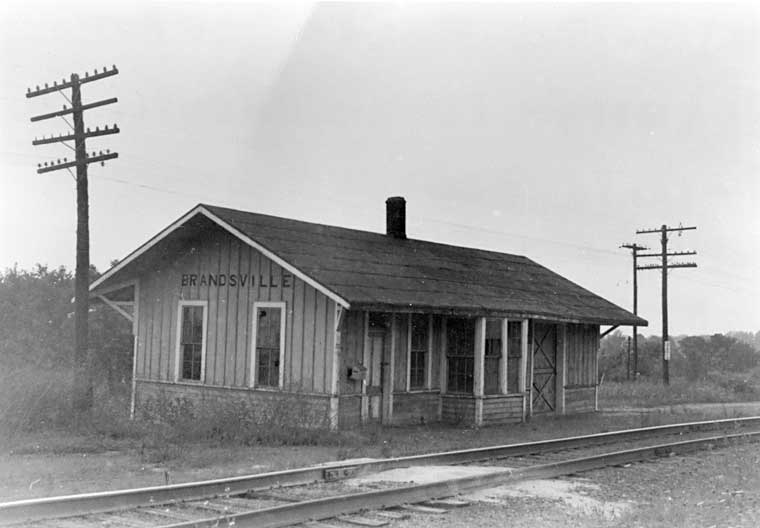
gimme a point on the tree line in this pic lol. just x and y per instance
(37, 326)
(695, 358)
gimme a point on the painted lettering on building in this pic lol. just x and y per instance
(237, 280)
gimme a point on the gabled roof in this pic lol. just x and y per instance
(364, 270)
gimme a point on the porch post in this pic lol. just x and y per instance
(335, 374)
(503, 389)
(480, 352)
(364, 410)
(442, 373)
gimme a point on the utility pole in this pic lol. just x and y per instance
(83, 382)
(664, 230)
(635, 248)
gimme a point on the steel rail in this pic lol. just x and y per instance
(104, 501)
(318, 509)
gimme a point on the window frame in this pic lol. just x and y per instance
(178, 358)
(252, 381)
(426, 386)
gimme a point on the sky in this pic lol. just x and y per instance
(549, 130)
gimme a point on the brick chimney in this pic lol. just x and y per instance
(395, 217)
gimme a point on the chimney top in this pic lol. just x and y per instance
(395, 217)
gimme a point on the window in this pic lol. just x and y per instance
(514, 356)
(460, 352)
(492, 357)
(268, 337)
(191, 344)
(418, 351)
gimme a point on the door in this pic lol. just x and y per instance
(375, 376)
(544, 391)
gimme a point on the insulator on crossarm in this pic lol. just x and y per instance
(65, 160)
(28, 90)
(86, 74)
(100, 152)
(58, 161)
(97, 129)
(104, 69)
(88, 130)
(55, 83)
(108, 151)
(38, 87)
(46, 85)
(39, 165)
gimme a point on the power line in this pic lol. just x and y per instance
(83, 379)
(635, 248)
(665, 266)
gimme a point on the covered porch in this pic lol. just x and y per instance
(405, 367)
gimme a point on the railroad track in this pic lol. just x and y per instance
(306, 495)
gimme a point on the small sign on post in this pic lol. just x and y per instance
(666, 357)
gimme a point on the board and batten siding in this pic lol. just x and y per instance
(309, 323)
(581, 355)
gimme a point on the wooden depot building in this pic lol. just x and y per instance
(365, 327)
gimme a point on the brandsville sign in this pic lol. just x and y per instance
(237, 280)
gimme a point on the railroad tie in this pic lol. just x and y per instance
(318, 524)
(418, 508)
(363, 521)
(446, 503)
(394, 515)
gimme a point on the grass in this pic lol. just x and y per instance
(648, 393)
(47, 449)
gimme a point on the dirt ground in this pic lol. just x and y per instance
(716, 489)
(721, 490)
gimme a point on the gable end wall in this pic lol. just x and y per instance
(309, 326)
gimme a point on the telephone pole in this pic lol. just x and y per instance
(83, 382)
(664, 230)
(635, 248)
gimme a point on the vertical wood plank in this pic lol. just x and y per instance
(320, 338)
(232, 321)
(241, 349)
(330, 381)
(298, 324)
(215, 318)
(561, 367)
(307, 380)
(169, 299)
(288, 297)
(142, 332)
(388, 380)
(154, 331)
